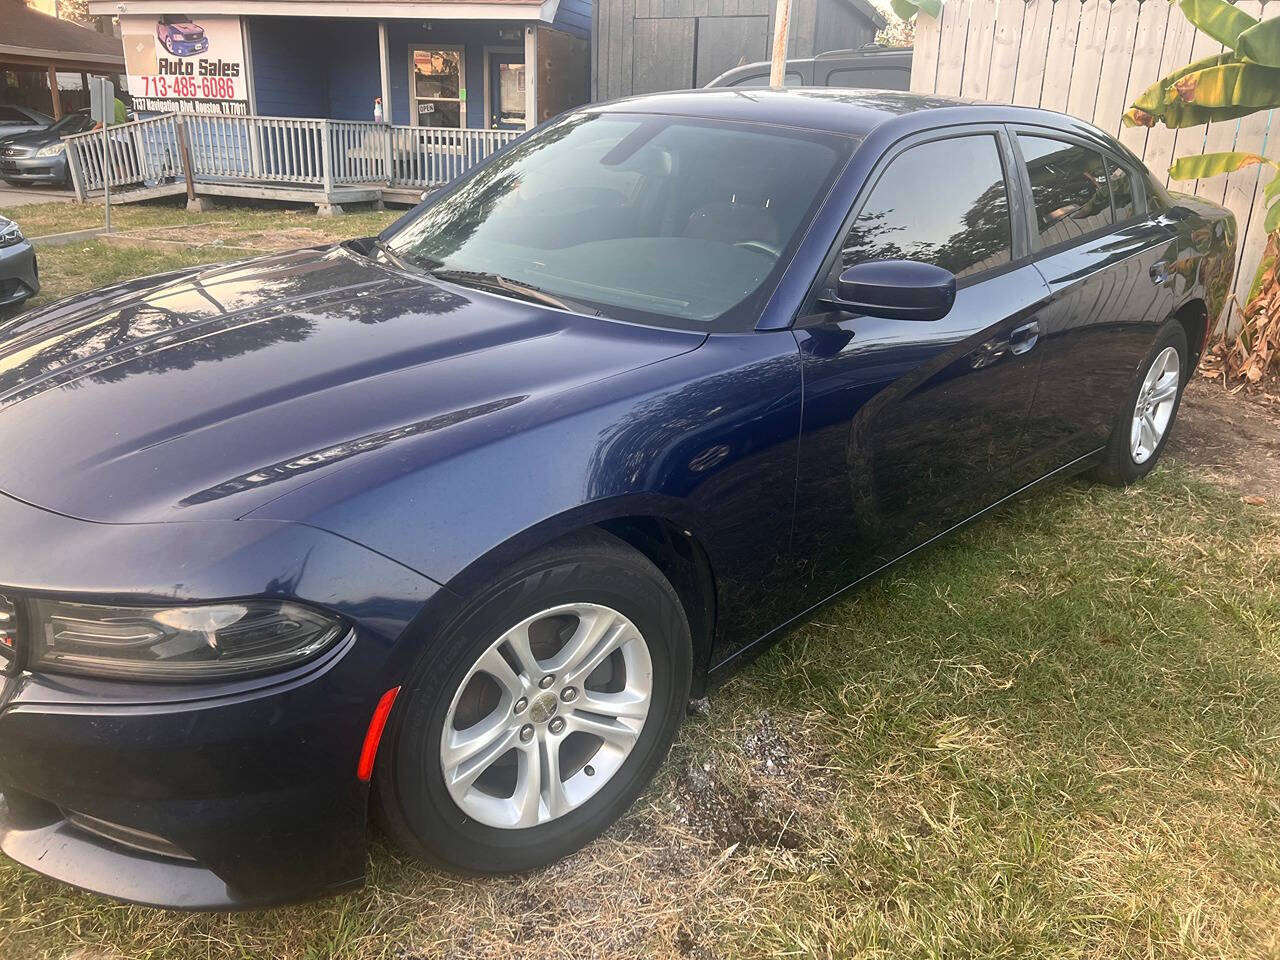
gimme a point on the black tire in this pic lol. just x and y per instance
(1118, 467)
(411, 799)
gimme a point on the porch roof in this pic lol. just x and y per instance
(30, 38)
(543, 10)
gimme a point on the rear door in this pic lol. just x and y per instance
(910, 427)
(1107, 263)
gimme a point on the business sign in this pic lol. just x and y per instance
(179, 62)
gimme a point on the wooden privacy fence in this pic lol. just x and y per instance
(1091, 59)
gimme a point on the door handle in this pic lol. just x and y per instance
(1160, 272)
(1023, 338)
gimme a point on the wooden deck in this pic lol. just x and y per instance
(325, 162)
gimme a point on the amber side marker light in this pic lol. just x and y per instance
(374, 734)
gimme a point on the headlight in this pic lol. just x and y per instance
(9, 233)
(52, 150)
(177, 643)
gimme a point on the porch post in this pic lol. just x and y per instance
(384, 61)
(530, 76)
(53, 92)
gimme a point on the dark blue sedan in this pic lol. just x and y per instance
(446, 526)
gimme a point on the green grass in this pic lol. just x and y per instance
(65, 270)
(1055, 735)
(38, 220)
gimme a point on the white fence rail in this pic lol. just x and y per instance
(1092, 58)
(289, 151)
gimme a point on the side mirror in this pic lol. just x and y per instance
(896, 290)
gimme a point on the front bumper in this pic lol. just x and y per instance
(34, 169)
(199, 796)
(188, 48)
(236, 801)
(19, 275)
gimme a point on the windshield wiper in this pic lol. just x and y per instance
(501, 284)
(399, 260)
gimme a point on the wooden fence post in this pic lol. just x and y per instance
(184, 157)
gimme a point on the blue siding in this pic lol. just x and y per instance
(353, 78)
(286, 78)
(312, 67)
(574, 16)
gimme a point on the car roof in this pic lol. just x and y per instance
(837, 110)
(869, 56)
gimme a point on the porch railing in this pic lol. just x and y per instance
(303, 152)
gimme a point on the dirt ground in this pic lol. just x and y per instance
(1232, 439)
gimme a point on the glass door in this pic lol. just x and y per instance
(506, 91)
(439, 96)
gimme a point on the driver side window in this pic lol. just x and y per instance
(943, 202)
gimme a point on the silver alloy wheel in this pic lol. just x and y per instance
(1154, 409)
(543, 730)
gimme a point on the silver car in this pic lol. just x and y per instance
(16, 119)
(19, 275)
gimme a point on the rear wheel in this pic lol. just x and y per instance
(541, 715)
(1146, 419)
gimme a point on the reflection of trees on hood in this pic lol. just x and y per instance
(146, 336)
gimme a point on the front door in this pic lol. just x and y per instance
(506, 91)
(910, 427)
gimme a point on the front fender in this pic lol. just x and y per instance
(705, 440)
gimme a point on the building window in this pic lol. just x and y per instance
(437, 87)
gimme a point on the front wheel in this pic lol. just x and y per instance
(539, 718)
(1146, 419)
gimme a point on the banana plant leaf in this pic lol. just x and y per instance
(1180, 114)
(906, 9)
(1154, 99)
(1214, 164)
(1232, 85)
(1273, 218)
(1273, 187)
(1261, 44)
(1198, 167)
(1218, 19)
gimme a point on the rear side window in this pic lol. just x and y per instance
(1069, 187)
(762, 80)
(944, 202)
(1122, 191)
(870, 78)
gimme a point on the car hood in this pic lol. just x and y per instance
(36, 138)
(206, 393)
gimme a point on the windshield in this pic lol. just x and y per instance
(668, 220)
(72, 123)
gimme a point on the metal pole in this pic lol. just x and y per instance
(106, 173)
(781, 27)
